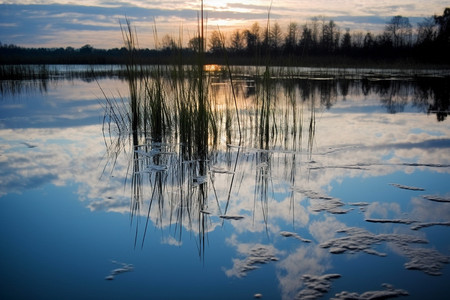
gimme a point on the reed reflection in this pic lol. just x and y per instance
(185, 131)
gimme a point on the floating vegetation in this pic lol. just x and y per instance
(123, 269)
(359, 239)
(436, 198)
(215, 169)
(294, 235)
(406, 187)
(396, 221)
(388, 292)
(28, 145)
(258, 255)
(349, 167)
(426, 260)
(362, 205)
(321, 202)
(198, 136)
(230, 217)
(199, 180)
(358, 203)
(316, 286)
(418, 226)
(429, 261)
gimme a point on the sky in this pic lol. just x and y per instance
(63, 23)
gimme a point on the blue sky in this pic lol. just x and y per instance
(61, 23)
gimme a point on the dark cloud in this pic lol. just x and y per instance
(44, 24)
(34, 24)
(361, 19)
(13, 181)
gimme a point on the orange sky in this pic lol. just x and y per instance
(61, 23)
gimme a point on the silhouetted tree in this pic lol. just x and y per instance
(194, 43)
(252, 38)
(86, 49)
(237, 41)
(168, 43)
(329, 36)
(443, 23)
(306, 41)
(400, 31)
(216, 42)
(315, 38)
(290, 41)
(275, 38)
(443, 34)
(426, 31)
(346, 40)
(368, 41)
(357, 40)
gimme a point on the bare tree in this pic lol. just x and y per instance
(252, 38)
(306, 41)
(443, 23)
(426, 31)
(368, 40)
(237, 41)
(194, 43)
(275, 36)
(400, 31)
(291, 38)
(315, 30)
(216, 42)
(330, 36)
(346, 40)
(358, 39)
(168, 43)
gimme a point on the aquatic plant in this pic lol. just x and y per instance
(175, 117)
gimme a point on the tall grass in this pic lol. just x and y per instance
(184, 116)
(175, 119)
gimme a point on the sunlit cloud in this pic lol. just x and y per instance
(253, 256)
(170, 240)
(303, 260)
(29, 20)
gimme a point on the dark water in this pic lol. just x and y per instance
(345, 191)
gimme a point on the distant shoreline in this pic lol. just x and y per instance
(317, 61)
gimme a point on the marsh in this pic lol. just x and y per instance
(308, 182)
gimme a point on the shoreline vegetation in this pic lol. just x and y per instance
(183, 123)
(318, 43)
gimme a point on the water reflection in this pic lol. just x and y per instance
(425, 91)
(318, 167)
(266, 164)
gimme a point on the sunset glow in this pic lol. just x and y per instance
(41, 23)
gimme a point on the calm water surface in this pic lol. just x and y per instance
(349, 194)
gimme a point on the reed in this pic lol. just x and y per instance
(174, 121)
(167, 105)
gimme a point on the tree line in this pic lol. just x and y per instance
(428, 42)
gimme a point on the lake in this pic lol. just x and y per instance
(303, 184)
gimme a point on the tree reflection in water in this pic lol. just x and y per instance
(184, 140)
(195, 186)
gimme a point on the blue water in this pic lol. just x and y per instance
(65, 221)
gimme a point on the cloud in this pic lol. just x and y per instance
(170, 240)
(323, 230)
(301, 261)
(51, 161)
(40, 24)
(362, 143)
(255, 255)
(388, 292)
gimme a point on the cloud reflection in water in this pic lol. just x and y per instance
(280, 189)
